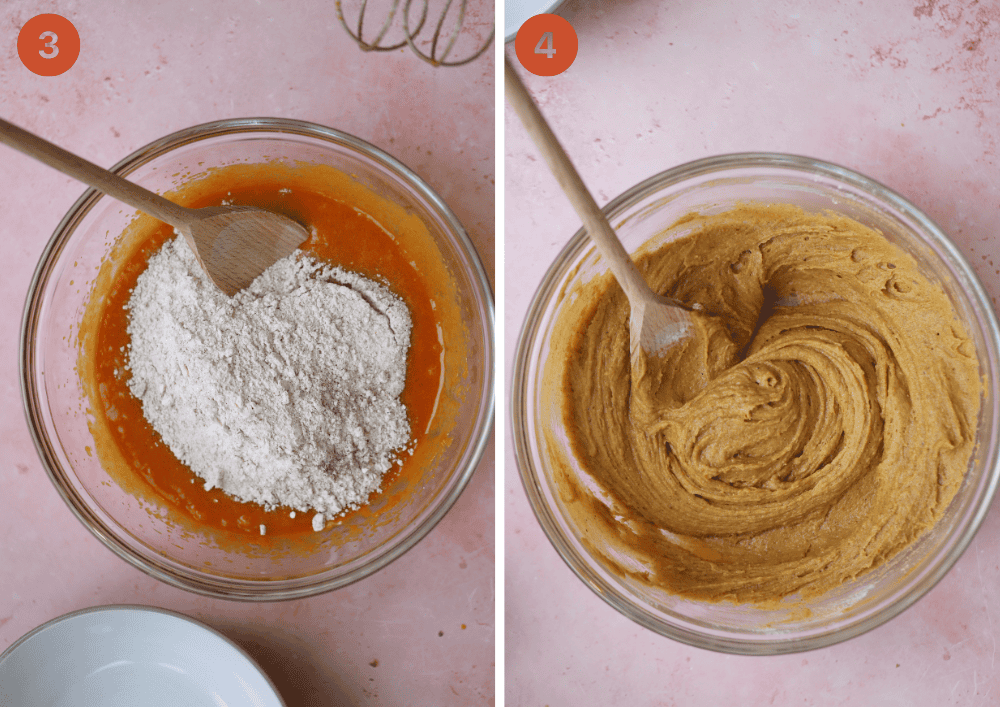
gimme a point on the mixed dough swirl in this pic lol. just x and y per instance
(821, 420)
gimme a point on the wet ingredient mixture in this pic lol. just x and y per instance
(822, 421)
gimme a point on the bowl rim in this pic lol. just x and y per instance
(543, 7)
(223, 587)
(116, 609)
(617, 597)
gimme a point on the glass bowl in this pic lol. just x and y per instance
(641, 217)
(130, 524)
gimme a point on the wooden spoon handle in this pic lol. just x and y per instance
(621, 264)
(92, 175)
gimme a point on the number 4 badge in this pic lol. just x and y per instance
(546, 45)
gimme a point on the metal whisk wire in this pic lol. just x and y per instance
(432, 57)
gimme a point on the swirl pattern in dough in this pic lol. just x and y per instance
(821, 420)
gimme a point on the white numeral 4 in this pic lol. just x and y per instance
(544, 45)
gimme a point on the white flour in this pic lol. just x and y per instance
(286, 394)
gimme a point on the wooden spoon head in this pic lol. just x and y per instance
(676, 352)
(235, 244)
(657, 324)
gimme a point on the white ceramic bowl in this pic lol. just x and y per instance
(130, 655)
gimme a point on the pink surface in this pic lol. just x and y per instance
(147, 71)
(905, 92)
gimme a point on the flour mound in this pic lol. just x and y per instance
(286, 394)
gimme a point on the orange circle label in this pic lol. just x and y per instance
(546, 45)
(48, 45)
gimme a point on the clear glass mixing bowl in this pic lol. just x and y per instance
(641, 217)
(56, 408)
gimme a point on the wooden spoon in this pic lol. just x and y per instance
(656, 323)
(233, 244)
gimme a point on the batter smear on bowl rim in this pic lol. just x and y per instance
(825, 427)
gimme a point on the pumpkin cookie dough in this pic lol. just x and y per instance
(821, 421)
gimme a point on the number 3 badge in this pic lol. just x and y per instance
(48, 45)
(546, 45)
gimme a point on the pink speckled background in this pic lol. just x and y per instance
(147, 69)
(907, 92)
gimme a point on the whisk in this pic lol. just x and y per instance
(440, 48)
